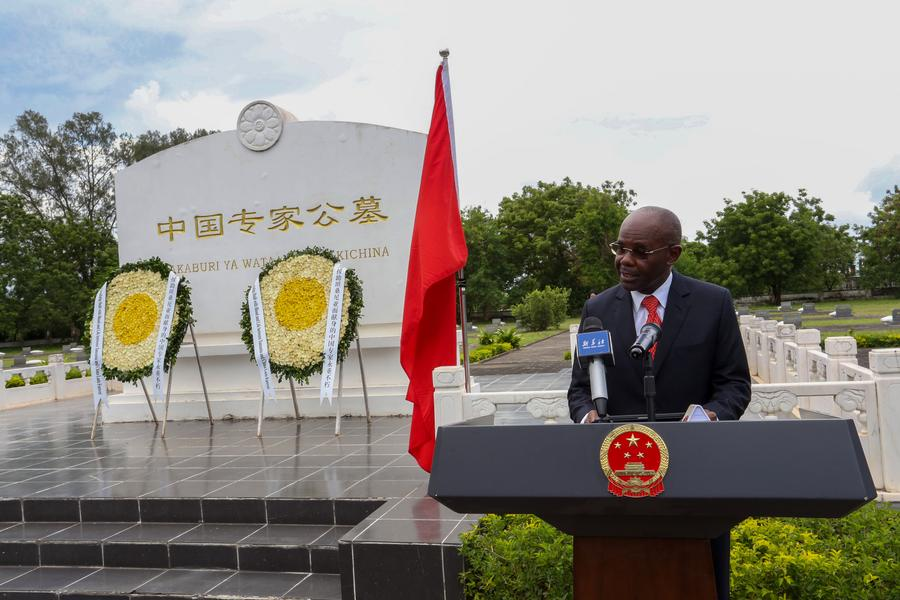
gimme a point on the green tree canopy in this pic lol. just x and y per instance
(773, 242)
(487, 270)
(57, 228)
(880, 243)
(556, 235)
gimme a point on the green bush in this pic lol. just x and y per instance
(485, 352)
(520, 556)
(485, 338)
(73, 373)
(567, 355)
(87, 372)
(511, 557)
(877, 340)
(38, 378)
(543, 309)
(509, 335)
(15, 381)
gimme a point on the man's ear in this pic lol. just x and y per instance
(674, 254)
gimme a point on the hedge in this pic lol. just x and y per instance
(509, 557)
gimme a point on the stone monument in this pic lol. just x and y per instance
(218, 208)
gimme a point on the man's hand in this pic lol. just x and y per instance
(712, 416)
(592, 417)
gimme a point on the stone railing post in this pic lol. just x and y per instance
(449, 395)
(57, 372)
(806, 340)
(885, 364)
(784, 332)
(745, 322)
(766, 331)
(573, 340)
(753, 325)
(840, 350)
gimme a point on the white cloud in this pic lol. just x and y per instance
(686, 102)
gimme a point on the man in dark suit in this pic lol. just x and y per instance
(700, 356)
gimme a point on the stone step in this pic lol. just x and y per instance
(338, 511)
(86, 583)
(235, 546)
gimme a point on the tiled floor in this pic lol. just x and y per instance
(45, 451)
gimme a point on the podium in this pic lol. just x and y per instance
(657, 547)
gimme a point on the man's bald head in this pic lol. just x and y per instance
(666, 223)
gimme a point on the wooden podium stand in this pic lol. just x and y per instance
(654, 547)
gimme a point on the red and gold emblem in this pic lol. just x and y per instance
(635, 460)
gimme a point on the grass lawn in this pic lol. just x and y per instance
(48, 350)
(528, 337)
(866, 312)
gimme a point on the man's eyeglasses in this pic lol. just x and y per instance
(620, 250)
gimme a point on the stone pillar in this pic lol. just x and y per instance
(885, 364)
(766, 331)
(806, 340)
(56, 369)
(449, 396)
(573, 340)
(783, 333)
(753, 325)
(745, 322)
(840, 350)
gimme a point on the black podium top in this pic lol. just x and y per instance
(718, 474)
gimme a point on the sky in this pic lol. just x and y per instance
(686, 102)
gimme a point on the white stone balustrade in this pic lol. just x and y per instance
(56, 388)
(792, 374)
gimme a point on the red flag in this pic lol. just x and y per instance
(437, 252)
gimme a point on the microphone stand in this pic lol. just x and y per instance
(649, 387)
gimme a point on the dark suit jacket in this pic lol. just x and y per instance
(700, 357)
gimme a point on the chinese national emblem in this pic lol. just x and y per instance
(635, 460)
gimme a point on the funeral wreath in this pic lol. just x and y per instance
(135, 294)
(294, 291)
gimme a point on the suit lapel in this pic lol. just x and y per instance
(622, 326)
(677, 309)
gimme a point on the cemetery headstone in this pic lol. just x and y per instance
(785, 306)
(762, 314)
(808, 308)
(743, 310)
(792, 319)
(843, 311)
(895, 314)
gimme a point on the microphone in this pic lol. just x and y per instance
(596, 344)
(648, 336)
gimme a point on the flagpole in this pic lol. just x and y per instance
(460, 275)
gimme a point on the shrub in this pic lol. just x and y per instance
(510, 557)
(485, 352)
(87, 372)
(520, 556)
(567, 355)
(543, 309)
(38, 378)
(15, 381)
(73, 373)
(877, 340)
(485, 338)
(509, 335)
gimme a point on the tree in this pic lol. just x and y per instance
(57, 240)
(880, 243)
(138, 148)
(773, 242)
(487, 270)
(556, 234)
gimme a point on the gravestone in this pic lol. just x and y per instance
(743, 310)
(762, 314)
(792, 318)
(809, 308)
(843, 311)
(785, 306)
(895, 315)
(220, 207)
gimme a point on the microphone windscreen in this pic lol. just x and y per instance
(592, 324)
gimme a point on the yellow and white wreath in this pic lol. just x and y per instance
(295, 290)
(134, 299)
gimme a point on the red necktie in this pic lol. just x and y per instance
(651, 304)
